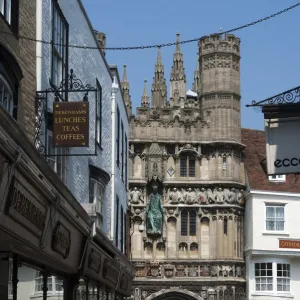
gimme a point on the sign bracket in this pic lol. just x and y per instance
(59, 94)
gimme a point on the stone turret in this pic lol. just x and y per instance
(145, 98)
(126, 94)
(159, 86)
(220, 85)
(177, 78)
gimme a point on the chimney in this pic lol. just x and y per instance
(101, 38)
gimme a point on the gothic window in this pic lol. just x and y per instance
(194, 247)
(188, 223)
(225, 226)
(184, 220)
(99, 114)
(192, 223)
(60, 48)
(187, 165)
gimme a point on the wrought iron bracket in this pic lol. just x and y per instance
(287, 97)
(54, 93)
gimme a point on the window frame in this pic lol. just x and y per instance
(61, 156)
(61, 54)
(98, 199)
(126, 161)
(277, 178)
(122, 151)
(275, 268)
(189, 223)
(53, 282)
(10, 15)
(99, 114)
(188, 172)
(118, 136)
(275, 205)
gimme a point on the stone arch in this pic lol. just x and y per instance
(174, 294)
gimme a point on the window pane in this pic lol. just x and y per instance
(191, 166)
(183, 165)
(192, 223)
(184, 216)
(263, 277)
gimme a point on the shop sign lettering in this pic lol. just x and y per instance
(94, 261)
(71, 124)
(61, 240)
(110, 272)
(292, 244)
(25, 204)
(282, 144)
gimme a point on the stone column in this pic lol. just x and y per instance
(220, 234)
(230, 237)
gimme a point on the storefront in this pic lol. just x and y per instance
(42, 226)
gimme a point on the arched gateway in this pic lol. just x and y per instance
(174, 295)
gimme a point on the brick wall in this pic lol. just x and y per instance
(24, 53)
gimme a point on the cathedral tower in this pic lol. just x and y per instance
(220, 85)
(186, 181)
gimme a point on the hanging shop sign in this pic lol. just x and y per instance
(289, 244)
(71, 124)
(282, 145)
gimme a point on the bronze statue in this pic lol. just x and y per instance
(155, 213)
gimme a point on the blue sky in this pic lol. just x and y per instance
(270, 51)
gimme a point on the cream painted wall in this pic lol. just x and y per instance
(263, 246)
(257, 237)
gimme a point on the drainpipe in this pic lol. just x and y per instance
(115, 88)
(39, 49)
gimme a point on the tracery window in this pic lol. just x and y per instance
(187, 165)
(188, 223)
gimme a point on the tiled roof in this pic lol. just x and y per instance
(254, 157)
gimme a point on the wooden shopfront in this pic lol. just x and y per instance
(43, 226)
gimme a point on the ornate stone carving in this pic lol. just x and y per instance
(180, 271)
(169, 271)
(216, 195)
(135, 196)
(174, 196)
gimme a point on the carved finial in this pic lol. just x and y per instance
(145, 98)
(159, 86)
(124, 74)
(177, 42)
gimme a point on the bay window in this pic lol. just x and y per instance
(272, 277)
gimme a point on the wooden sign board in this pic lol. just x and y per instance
(291, 244)
(71, 124)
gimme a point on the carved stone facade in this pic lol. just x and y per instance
(190, 147)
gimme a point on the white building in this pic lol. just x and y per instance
(272, 236)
